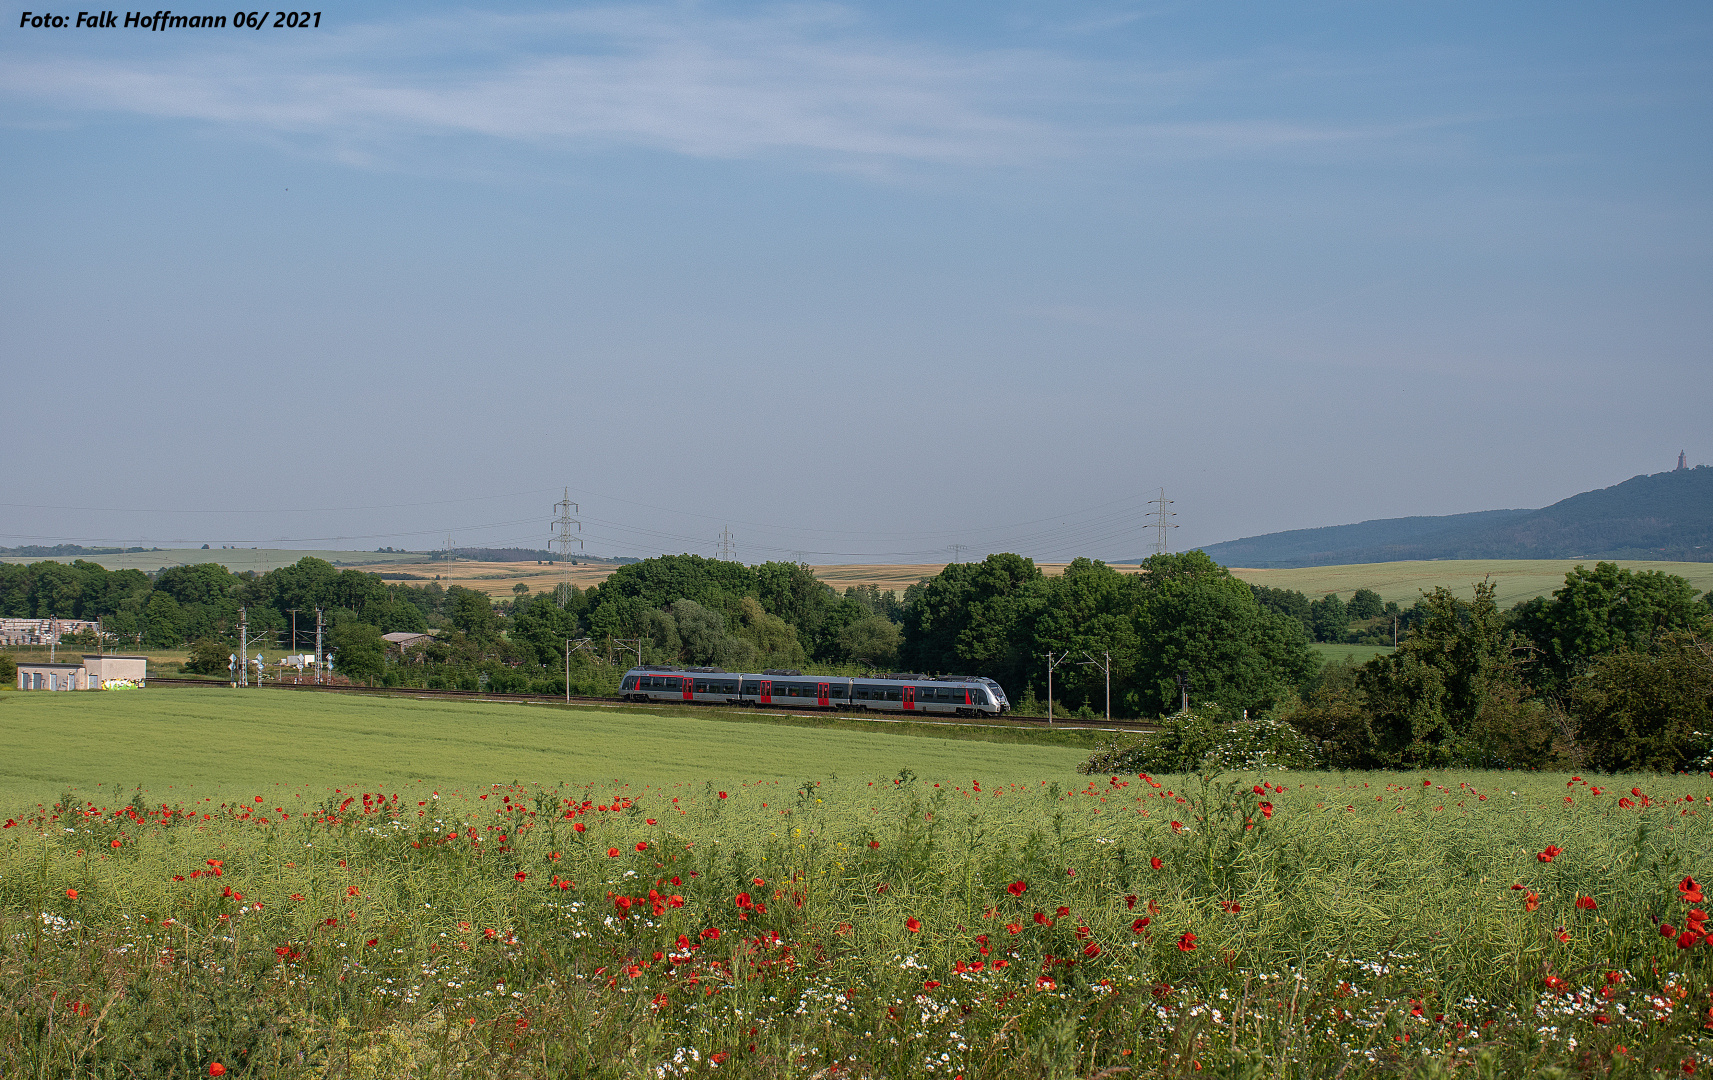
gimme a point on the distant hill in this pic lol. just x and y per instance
(1666, 516)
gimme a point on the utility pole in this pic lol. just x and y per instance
(1105, 667)
(1184, 691)
(565, 508)
(243, 647)
(629, 644)
(725, 551)
(318, 646)
(580, 643)
(1162, 520)
(1051, 664)
(294, 637)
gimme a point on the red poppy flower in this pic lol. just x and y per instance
(1177, 826)
(930, 985)
(642, 845)
(1140, 925)
(1042, 920)
(216, 1069)
(612, 853)
(1013, 928)
(722, 794)
(1017, 888)
(743, 900)
(874, 843)
(1130, 903)
(71, 894)
(1667, 930)
(1690, 890)
(520, 875)
(1154, 862)
(1187, 943)
(712, 933)
(913, 924)
(580, 827)
(1044, 983)
(1586, 903)
(1062, 912)
(1091, 950)
(1531, 901)
(1688, 939)
(350, 890)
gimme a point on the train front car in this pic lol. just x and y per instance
(946, 695)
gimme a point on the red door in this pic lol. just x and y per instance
(767, 692)
(689, 689)
(909, 699)
(821, 695)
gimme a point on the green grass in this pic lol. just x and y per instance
(1404, 582)
(178, 743)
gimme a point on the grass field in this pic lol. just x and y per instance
(672, 897)
(1404, 582)
(222, 743)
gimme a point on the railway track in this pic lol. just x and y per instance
(1009, 721)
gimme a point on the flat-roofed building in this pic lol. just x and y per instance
(92, 674)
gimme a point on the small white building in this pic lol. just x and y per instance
(92, 674)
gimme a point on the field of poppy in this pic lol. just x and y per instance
(1292, 924)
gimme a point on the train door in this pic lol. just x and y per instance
(767, 691)
(689, 688)
(822, 698)
(909, 699)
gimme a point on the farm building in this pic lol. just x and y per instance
(92, 674)
(406, 642)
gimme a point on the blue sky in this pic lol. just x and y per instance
(861, 280)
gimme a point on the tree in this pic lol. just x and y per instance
(1601, 611)
(1453, 692)
(1329, 618)
(164, 622)
(8, 670)
(871, 640)
(1364, 604)
(360, 651)
(1647, 709)
(209, 657)
(1286, 602)
(1197, 619)
(473, 614)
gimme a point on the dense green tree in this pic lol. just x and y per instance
(1453, 692)
(1198, 620)
(871, 640)
(164, 622)
(1603, 610)
(1364, 604)
(1286, 602)
(209, 657)
(1329, 618)
(8, 670)
(359, 652)
(1647, 708)
(473, 613)
(540, 628)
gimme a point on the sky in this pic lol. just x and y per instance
(892, 282)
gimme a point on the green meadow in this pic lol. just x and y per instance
(217, 742)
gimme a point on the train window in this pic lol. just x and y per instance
(893, 695)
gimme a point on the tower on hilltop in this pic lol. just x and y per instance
(1682, 462)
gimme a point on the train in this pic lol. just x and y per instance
(943, 695)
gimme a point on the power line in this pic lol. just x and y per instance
(1162, 520)
(564, 522)
(725, 553)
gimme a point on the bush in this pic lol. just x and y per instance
(1648, 710)
(1195, 741)
(208, 657)
(8, 670)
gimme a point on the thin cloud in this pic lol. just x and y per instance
(803, 81)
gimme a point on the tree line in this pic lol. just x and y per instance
(1612, 669)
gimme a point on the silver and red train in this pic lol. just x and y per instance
(946, 695)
